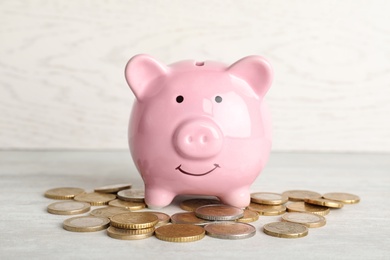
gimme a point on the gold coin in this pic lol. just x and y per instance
(68, 208)
(108, 212)
(307, 219)
(113, 188)
(64, 193)
(249, 216)
(267, 210)
(95, 199)
(180, 233)
(134, 220)
(130, 234)
(86, 224)
(268, 198)
(301, 195)
(192, 204)
(187, 218)
(326, 203)
(136, 195)
(304, 207)
(219, 212)
(230, 230)
(343, 197)
(285, 230)
(130, 205)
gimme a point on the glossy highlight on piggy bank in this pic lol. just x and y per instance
(199, 128)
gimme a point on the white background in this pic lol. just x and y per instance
(62, 62)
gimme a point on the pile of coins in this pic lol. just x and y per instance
(306, 209)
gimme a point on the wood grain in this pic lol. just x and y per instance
(61, 67)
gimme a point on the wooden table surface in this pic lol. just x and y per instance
(359, 231)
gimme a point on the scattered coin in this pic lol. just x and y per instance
(343, 197)
(135, 195)
(325, 202)
(268, 198)
(68, 208)
(267, 210)
(249, 216)
(180, 233)
(192, 204)
(309, 220)
(86, 224)
(304, 207)
(95, 198)
(187, 218)
(130, 234)
(162, 217)
(64, 193)
(301, 195)
(285, 230)
(219, 212)
(130, 205)
(113, 188)
(230, 230)
(134, 220)
(108, 212)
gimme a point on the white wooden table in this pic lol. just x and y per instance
(360, 231)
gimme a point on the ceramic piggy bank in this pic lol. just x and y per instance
(199, 128)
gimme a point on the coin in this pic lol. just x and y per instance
(192, 204)
(187, 218)
(64, 193)
(130, 234)
(230, 230)
(285, 230)
(249, 216)
(326, 203)
(301, 195)
(304, 207)
(343, 197)
(113, 188)
(95, 199)
(68, 208)
(108, 212)
(162, 217)
(130, 205)
(180, 233)
(86, 224)
(267, 210)
(307, 219)
(134, 220)
(219, 212)
(135, 195)
(268, 198)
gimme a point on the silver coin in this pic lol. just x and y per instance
(230, 230)
(135, 195)
(219, 212)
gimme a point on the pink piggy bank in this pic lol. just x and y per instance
(199, 128)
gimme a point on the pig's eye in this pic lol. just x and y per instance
(179, 99)
(218, 99)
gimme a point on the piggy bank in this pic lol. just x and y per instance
(199, 128)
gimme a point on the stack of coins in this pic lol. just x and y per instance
(306, 209)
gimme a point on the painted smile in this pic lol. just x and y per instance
(194, 174)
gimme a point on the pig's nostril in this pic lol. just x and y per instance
(203, 139)
(189, 139)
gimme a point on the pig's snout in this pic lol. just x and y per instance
(198, 139)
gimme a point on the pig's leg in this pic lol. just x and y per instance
(239, 198)
(157, 198)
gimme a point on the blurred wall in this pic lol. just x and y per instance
(62, 62)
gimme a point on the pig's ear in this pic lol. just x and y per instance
(256, 71)
(140, 71)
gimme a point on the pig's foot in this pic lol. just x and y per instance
(239, 198)
(157, 198)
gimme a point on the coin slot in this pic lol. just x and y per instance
(199, 63)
